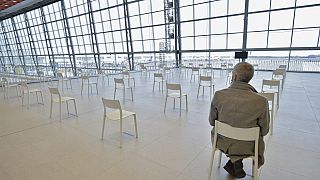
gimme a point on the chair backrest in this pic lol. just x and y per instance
(40, 73)
(4, 81)
(173, 87)
(59, 74)
(166, 68)
(118, 81)
(84, 77)
(242, 134)
(125, 73)
(205, 78)
(282, 66)
(269, 97)
(110, 103)
(158, 75)
(279, 72)
(266, 82)
(54, 91)
(24, 86)
(195, 69)
(100, 71)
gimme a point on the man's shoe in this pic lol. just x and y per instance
(229, 167)
(238, 169)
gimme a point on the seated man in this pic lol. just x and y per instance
(240, 106)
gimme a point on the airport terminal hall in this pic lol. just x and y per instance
(159, 89)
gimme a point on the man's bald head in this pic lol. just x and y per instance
(242, 72)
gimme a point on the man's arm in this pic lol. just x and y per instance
(213, 111)
(264, 119)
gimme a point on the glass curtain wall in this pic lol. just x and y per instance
(70, 36)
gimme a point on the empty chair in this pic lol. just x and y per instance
(224, 67)
(229, 78)
(282, 66)
(195, 72)
(86, 81)
(174, 95)
(279, 74)
(167, 72)
(268, 86)
(183, 70)
(118, 114)
(102, 74)
(126, 75)
(205, 81)
(158, 78)
(270, 98)
(62, 79)
(119, 84)
(26, 90)
(6, 86)
(242, 134)
(143, 69)
(57, 98)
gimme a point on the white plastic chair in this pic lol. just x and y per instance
(158, 78)
(102, 74)
(86, 81)
(28, 91)
(143, 69)
(205, 81)
(195, 72)
(119, 114)
(6, 87)
(62, 79)
(242, 134)
(179, 95)
(270, 98)
(57, 98)
(119, 84)
(183, 70)
(126, 75)
(270, 88)
(167, 72)
(279, 74)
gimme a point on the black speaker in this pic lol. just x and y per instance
(241, 55)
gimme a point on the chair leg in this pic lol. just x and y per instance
(41, 98)
(67, 107)
(81, 88)
(202, 90)
(103, 124)
(153, 86)
(97, 89)
(180, 104)
(135, 124)
(186, 103)
(165, 104)
(114, 94)
(198, 91)
(174, 103)
(211, 163)
(75, 107)
(131, 94)
(120, 132)
(51, 109)
(219, 162)
(60, 111)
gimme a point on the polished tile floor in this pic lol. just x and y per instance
(35, 147)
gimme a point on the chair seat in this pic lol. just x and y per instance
(159, 80)
(32, 91)
(271, 90)
(115, 115)
(123, 87)
(63, 99)
(206, 84)
(176, 95)
(12, 85)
